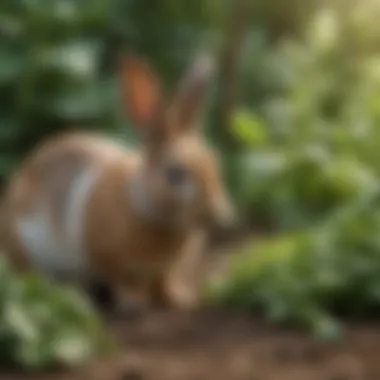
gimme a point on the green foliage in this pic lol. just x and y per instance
(294, 187)
(310, 277)
(49, 72)
(311, 130)
(248, 129)
(313, 172)
(44, 325)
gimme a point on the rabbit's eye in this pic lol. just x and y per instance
(176, 174)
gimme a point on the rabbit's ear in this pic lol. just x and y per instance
(141, 92)
(190, 98)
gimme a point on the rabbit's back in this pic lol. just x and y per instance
(45, 205)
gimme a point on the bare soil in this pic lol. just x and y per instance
(220, 345)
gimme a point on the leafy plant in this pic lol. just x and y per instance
(312, 276)
(50, 71)
(43, 325)
(309, 126)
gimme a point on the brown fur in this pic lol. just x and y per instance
(125, 248)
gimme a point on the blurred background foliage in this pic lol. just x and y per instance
(306, 122)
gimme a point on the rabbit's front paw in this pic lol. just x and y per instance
(174, 296)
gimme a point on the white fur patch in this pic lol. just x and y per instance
(59, 257)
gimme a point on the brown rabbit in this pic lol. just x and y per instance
(82, 207)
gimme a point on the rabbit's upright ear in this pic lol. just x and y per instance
(141, 92)
(189, 100)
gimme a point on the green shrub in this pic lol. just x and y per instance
(309, 126)
(50, 71)
(292, 188)
(312, 276)
(43, 325)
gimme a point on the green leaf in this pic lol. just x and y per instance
(249, 129)
(44, 325)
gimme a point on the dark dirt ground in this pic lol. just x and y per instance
(211, 345)
(228, 345)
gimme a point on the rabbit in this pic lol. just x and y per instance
(82, 207)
